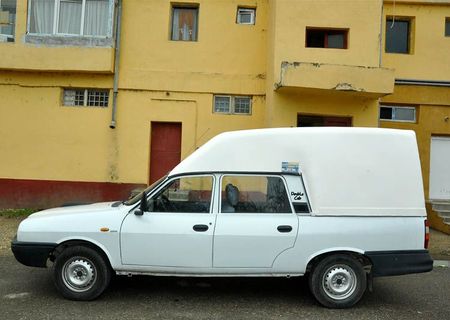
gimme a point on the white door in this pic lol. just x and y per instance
(255, 224)
(440, 168)
(178, 229)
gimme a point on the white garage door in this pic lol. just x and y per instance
(440, 168)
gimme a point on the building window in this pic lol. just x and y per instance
(394, 113)
(86, 97)
(447, 27)
(326, 38)
(398, 35)
(246, 15)
(184, 23)
(70, 17)
(232, 104)
(7, 20)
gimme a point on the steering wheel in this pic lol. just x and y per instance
(164, 203)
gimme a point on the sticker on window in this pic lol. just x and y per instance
(290, 167)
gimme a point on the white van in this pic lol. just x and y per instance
(341, 205)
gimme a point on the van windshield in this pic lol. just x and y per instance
(138, 197)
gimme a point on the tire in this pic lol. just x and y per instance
(81, 273)
(338, 281)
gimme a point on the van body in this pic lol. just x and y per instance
(341, 205)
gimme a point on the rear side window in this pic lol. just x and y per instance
(254, 194)
(297, 194)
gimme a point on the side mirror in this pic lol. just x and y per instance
(143, 206)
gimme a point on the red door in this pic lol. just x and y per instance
(165, 152)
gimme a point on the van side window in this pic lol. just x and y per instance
(254, 194)
(185, 194)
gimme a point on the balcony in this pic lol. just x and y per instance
(370, 82)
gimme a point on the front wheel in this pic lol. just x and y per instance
(338, 281)
(81, 273)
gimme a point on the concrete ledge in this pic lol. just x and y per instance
(441, 263)
(360, 80)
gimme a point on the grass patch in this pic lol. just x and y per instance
(16, 213)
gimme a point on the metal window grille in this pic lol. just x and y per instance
(232, 104)
(222, 104)
(86, 98)
(242, 105)
(246, 16)
(96, 98)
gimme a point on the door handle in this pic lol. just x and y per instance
(200, 227)
(284, 229)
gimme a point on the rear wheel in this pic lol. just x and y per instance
(338, 281)
(81, 273)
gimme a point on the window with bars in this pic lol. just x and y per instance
(86, 98)
(7, 20)
(246, 15)
(397, 113)
(232, 104)
(70, 17)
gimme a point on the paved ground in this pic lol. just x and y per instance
(28, 293)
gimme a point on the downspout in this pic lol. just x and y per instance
(116, 63)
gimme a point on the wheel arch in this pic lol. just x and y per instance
(81, 242)
(358, 254)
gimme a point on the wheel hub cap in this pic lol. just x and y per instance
(79, 274)
(339, 282)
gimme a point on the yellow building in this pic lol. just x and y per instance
(100, 97)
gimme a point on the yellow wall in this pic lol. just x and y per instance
(174, 81)
(227, 58)
(41, 139)
(429, 58)
(433, 106)
(286, 42)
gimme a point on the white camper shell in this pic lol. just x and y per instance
(341, 205)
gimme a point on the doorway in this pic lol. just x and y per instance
(165, 151)
(304, 120)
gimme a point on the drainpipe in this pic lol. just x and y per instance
(116, 64)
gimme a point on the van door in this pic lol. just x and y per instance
(255, 223)
(178, 229)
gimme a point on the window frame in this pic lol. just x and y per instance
(177, 5)
(447, 27)
(85, 97)
(394, 107)
(232, 110)
(252, 10)
(410, 43)
(161, 188)
(10, 37)
(268, 175)
(56, 13)
(327, 32)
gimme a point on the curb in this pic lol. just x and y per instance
(441, 263)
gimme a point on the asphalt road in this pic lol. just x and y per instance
(28, 293)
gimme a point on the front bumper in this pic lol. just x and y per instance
(393, 263)
(32, 254)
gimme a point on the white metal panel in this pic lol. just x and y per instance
(251, 240)
(440, 168)
(167, 239)
(348, 171)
